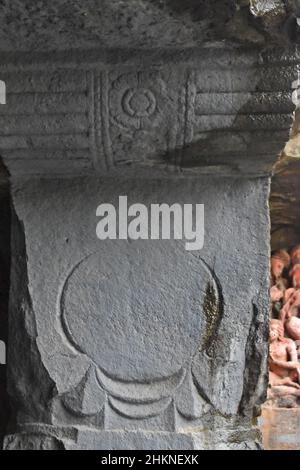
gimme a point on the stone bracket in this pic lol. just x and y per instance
(225, 112)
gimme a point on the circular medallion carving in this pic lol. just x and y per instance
(135, 309)
(135, 100)
(139, 102)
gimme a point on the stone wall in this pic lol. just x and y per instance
(4, 293)
(76, 24)
(141, 336)
(140, 344)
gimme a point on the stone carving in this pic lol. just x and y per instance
(138, 120)
(295, 254)
(133, 100)
(145, 340)
(295, 275)
(285, 326)
(22, 441)
(128, 333)
(283, 360)
(87, 398)
(289, 314)
(279, 261)
(142, 26)
(295, 271)
(173, 116)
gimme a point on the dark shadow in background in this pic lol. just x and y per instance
(4, 294)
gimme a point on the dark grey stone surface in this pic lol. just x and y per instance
(141, 344)
(215, 111)
(4, 293)
(138, 336)
(49, 438)
(67, 24)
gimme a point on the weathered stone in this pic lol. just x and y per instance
(122, 344)
(186, 117)
(4, 293)
(285, 200)
(74, 24)
(155, 321)
(280, 428)
(31, 442)
(234, 436)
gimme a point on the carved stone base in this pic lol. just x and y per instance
(141, 341)
(280, 428)
(51, 438)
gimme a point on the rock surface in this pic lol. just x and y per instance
(285, 193)
(73, 24)
(137, 344)
(225, 112)
(4, 294)
(280, 428)
(138, 335)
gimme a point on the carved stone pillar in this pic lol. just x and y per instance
(141, 344)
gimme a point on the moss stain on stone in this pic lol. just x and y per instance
(212, 315)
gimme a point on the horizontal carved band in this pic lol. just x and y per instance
(228, 114)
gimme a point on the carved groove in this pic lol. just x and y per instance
(129, 119)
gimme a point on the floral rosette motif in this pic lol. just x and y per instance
(136, 100)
